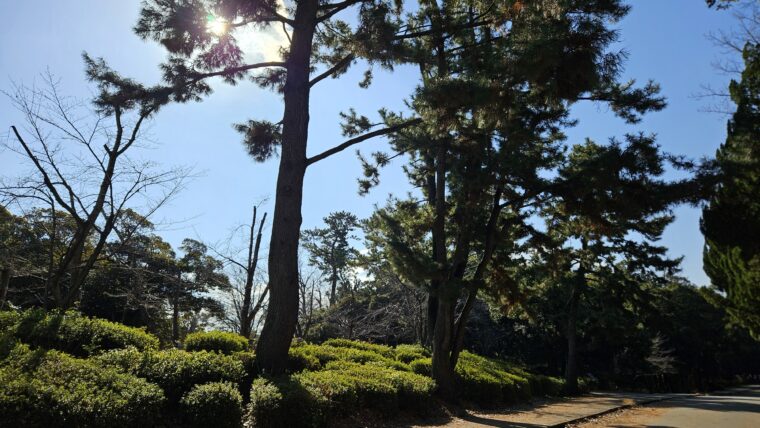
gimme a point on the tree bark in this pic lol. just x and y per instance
(5, 279)
(571, 367)
(443, 371)
(282, 314)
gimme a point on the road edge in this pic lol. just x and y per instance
(563, 424)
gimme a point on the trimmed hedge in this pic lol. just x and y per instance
(314, 398)
(174, 370)
(49, 388)
(408, 353)
(489, 381)
(216, 341)
(217, 404)
(283, 403)
(76, 334)
(423, 366)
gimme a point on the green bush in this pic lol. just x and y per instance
(76, 334)
(300, 358)
(370, 385)
(283, 403)
(489, 381)
(174, 370)
(216, 341)
(385, 351)
(408, 353)
(8, 320)
(216, 404)
(423, 366)
(48, 388)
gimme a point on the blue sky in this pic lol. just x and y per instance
(665, 39)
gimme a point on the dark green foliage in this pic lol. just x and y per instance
(282, 403)
(330, 250)
(302, 358)
(216, 341)
(8, 320)
(215, 404)
(48, 388)
(78, 335)
(176, 371)
(731, 221)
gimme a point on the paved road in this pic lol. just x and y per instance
(737, 408)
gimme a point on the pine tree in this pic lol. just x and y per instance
(611, 206)
(493, 104)
(330, 250)
(731, 220)
(200, 38)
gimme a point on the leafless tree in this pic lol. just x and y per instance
(311, 300)
(732, 42)
(248, 297)
(80, 161)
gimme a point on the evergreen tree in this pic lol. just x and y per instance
(200, 37)
(611, 205)
(731, 220)
(330, 250)
(493, 104)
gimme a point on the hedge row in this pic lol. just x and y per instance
(174, 370)
(49, 388)
(73, 333)
(315, 398)
(488, 381)
(216, 341)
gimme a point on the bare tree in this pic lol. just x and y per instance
(244, 309)
(310, 296)
(81, 167)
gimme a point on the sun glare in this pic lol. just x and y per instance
(217, 25)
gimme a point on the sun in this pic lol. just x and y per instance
(217, 25)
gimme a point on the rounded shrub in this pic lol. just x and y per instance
(216, 404)
(385, 351)
(174, 370)
(8, 320)
(408, 353)
(78, 335)
(299, 359)
(216, 341)
(284, 403)
(423, 366)
(48, 388)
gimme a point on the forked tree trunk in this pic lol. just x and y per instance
(282, 313)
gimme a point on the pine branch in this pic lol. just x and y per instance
(340, 65)
(359, 139)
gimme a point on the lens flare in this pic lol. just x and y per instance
(217, 25)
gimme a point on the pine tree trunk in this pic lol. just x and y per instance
(571, 367)
(175, 322)
(282, 313)
(5, 279)
(443, 335)
(333, 286)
